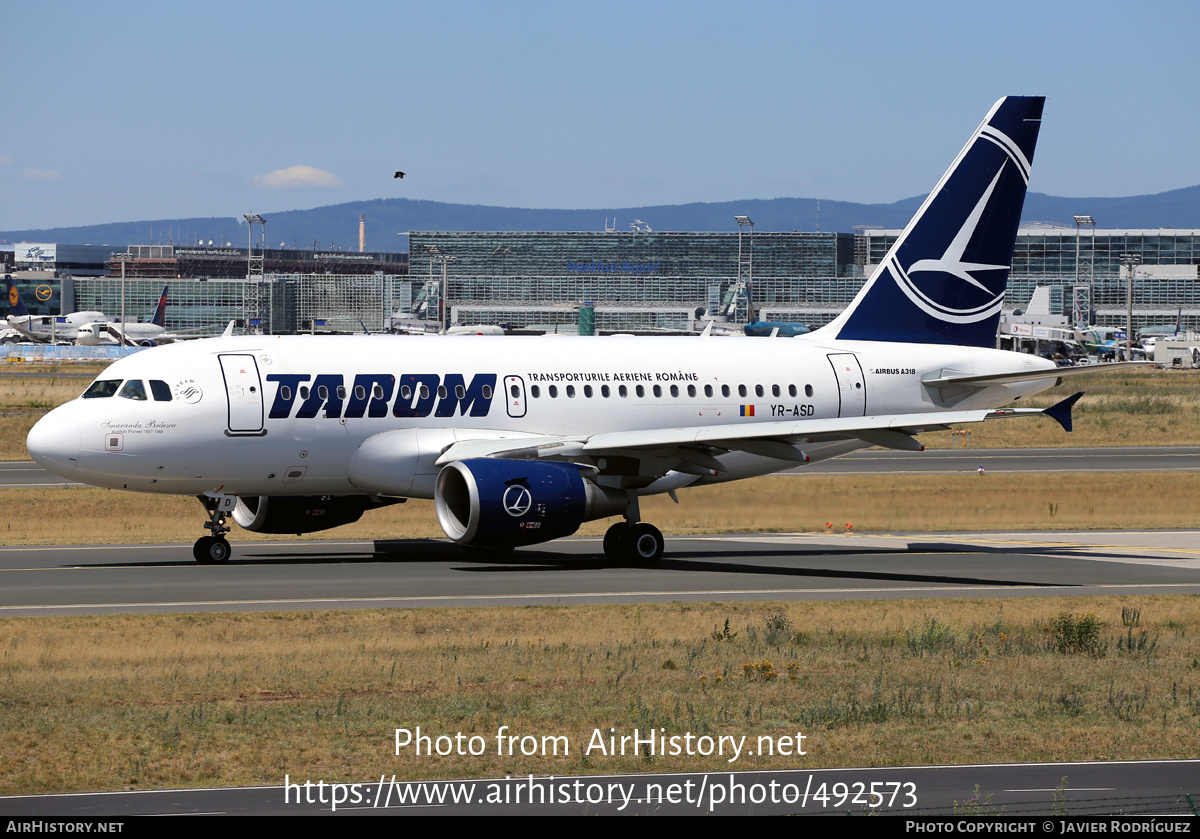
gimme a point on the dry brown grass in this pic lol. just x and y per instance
(25, 398)
(1141, 407)
(777, 503)
(192, 700)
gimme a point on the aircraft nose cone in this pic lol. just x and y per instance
(53, 443)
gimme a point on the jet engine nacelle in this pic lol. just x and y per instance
(147, 342)
(498, 503)
(299, 514)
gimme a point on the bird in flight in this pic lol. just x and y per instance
(398, 175)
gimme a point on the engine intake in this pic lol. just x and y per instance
(498, 503)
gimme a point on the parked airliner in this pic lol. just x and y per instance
(521, 439)
(134, 333)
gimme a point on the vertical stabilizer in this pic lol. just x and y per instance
(16, 306)
(160, 313)
(943, 281)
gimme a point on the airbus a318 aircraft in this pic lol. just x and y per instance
(521, 439)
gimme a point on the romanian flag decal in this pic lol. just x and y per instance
(747, 410)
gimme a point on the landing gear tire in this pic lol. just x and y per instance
(209, 550)
(614, 541)
(644, 544)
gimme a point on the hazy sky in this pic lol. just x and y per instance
(129, 111)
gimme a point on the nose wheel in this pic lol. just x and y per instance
(211, 550)
(214, 549)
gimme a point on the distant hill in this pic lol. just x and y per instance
(337, 225)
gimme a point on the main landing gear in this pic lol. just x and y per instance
(213, 549)
(634, 542)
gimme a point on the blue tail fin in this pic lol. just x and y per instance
(160, 313)
(16, 307)
(943, 281)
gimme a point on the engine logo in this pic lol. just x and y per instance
(517, 500)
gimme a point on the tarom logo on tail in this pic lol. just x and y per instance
(943, 280)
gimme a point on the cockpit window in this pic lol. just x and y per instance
(134, 389)
(102, 389)
(161, 390)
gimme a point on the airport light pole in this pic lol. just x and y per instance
(435, 253)
(251, 220)
(503, 251)
(1080, 274)
(1130, 261)
(745, 266)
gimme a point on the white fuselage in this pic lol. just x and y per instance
(265, 416)
(43, 328)
(109, 334)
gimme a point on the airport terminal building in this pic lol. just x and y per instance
(637, 280)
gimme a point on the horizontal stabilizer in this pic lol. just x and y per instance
(1029, 375)
(1061, 412)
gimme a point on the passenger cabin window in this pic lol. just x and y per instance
(161, 391)
(134, 389)
(103, 389)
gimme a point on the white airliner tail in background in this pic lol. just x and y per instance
(519, 440)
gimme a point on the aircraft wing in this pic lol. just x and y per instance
(770, 439)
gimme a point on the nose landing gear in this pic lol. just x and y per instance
(214, 549)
